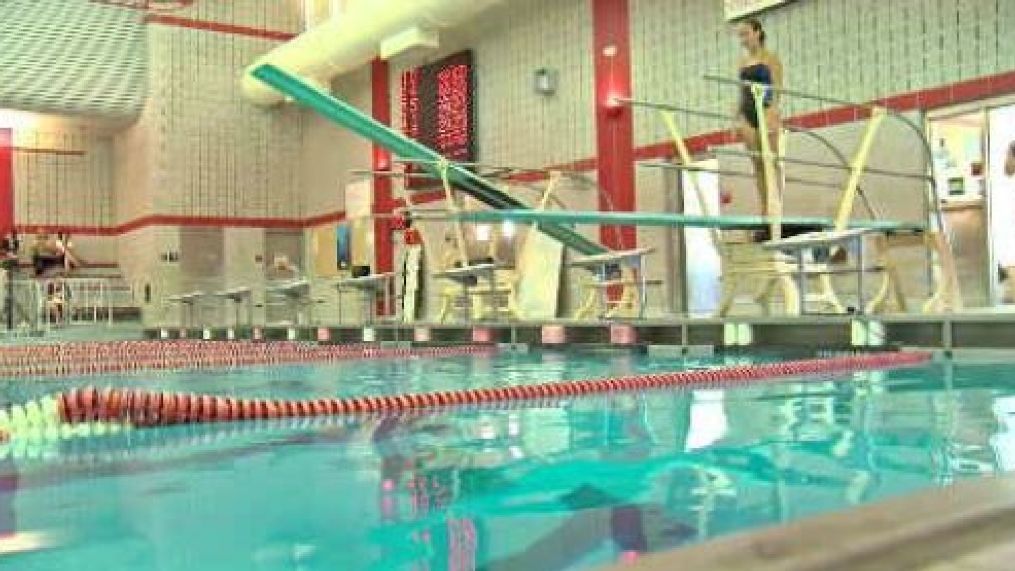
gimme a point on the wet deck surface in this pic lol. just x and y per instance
(966, 527)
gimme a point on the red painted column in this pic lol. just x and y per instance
(6, 181)
(614, 123)
(384, 250)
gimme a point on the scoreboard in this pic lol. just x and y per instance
(438, 108)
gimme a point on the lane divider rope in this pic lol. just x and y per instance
(64, 415)
(133, 356)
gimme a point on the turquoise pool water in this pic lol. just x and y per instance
(576, 486)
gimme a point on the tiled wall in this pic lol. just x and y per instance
(516, 126)
(215, 153)
(329, 153)
(134, 170)
(140, 257)
(63, 177)
(270, 15)
(858, 50)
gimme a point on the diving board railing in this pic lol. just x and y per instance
(822, 140)
(874, 108)
(460, 177)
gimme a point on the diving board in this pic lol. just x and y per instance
(460, 177)
(680, 220)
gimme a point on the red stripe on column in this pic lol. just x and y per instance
(384, 250)
(614, 124)
(6, 180)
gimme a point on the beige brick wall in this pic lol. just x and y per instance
(216, 154)
(63, 176)
(329, 152)
(272, 15)
(140, 257)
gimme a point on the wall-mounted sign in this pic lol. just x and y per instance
(736, 9)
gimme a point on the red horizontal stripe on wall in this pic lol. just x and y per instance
(222, 28)
(211, 221)
(329, 218)
(185, 221)
(66, 228)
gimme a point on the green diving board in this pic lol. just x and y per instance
(684, 220)
(463, 179)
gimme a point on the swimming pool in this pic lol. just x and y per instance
(590, 482)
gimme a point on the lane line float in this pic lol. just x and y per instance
(79, 359)
(113, 409)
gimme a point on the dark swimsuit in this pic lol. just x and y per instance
(756, 73)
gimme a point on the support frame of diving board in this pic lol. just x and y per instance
(946, 295)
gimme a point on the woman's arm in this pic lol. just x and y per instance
(777, 79)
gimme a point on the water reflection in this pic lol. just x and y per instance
(593, 481)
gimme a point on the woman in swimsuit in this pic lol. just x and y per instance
(758, 65)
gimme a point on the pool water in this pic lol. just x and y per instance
(594, 481)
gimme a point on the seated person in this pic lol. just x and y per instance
(282, 268)
(70, 258)
(52, 256)
(9, 247)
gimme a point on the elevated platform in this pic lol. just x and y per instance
(951, 331)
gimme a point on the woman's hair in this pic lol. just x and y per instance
(755, 24)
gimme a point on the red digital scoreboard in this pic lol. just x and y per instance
(438, 108)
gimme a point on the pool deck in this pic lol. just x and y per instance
(946, 331)
(965, 527)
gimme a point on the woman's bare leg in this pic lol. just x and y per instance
(774, 123)
(750, 137)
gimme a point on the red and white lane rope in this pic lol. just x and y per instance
(79, 359)
(116, 408)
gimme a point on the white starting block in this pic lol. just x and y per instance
(632, 280)
(189, 305)
(241, 297)
(296, 295)
(372, 288)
